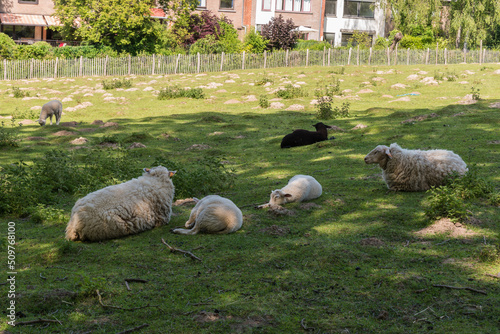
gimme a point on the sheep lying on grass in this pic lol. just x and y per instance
(213, 214)
(415, 170)
(49, 109)
(303, 137)
(123, 209)
(300, 188)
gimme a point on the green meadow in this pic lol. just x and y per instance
(358, 259)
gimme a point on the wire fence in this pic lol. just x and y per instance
(176, 64)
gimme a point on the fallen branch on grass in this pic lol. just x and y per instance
(133, 329)
(302, 323)
(38, 321)
(122, 308)
(133, 280)
(491, 275)
(174, 250)
(460, 288)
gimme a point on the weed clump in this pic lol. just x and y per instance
(174, 92)
(264, 102)
(324, 96)
(291, 92)
(116, 83)
(9, 137)
(18, 93)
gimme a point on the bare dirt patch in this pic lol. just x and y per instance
(309, 206)
(359, 126)
(68, 124)
(447, 227)
(64, 133)
(167, 136)
(372, 241)
(280, 211)
(136, 145)
(79, 141)
(34, 138)
(419, 118)
(198, 147)
(276, 230)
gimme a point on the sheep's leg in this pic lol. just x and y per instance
(50, 119)
(58, 118)
(192, 231)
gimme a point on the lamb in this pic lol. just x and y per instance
(300, 188)
(304, 137)
(213, 214)
(415, 170)
(49, 109)
(124, 209)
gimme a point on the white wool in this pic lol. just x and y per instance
(300, 188)
(415, 170)
(213, 214)
(123, 209)
(49, 109)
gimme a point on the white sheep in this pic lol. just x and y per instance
(415, 170)
(213, 214)
(49, 109)
(300, 188)
(123, 209)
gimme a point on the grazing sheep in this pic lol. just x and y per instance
(300, 188)
(123, 209)
(415, 170)
(304, 137)
(213, 214)
(49, 109)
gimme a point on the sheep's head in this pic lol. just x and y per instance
(159, 171)
(41, 121)
(278, 197)
(380, 154)
(321, 125)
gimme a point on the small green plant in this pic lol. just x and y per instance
(46, 214)
(324, 107)
(489, 253)
(438, 76)
(87, 286)
(18, 93)
(475, 94)
(263, 81)
(116, 83)
(9, 137)
(291, 92)
(24, 114)
(263, 101)
(174, 92)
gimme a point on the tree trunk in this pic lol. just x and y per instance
(457, 40)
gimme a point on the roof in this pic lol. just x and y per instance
(22, 19)
(158, 13)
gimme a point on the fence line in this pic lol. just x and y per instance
(175, 64)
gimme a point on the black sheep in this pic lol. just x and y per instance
(304, 137)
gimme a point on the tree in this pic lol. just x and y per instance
(126, 26)
(7, 46)
(280, 33)
(411, 16)
(472, 21)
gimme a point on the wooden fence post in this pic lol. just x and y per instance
(31, 68)
(177, 63)
(222, 61)
(427, 57)
(349, 57)
(243, 61)
(129, 64)
(5, 69)
(199, 63)
(55, 67)
(370, 57)
(388, 57)
(445, 56)
(265, 58)
(329, 57)
(324, 54)
(357, 56)
(396, 55)
(106, 66)
(408, 56)
(286, 58)
(480, 52)
(465, 55)
(80, 70)
(307, 57)
(437, 48)
(153, 71)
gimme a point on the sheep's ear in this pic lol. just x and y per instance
(171, 173)
(387, 151)
(147, 170)
(288, 195)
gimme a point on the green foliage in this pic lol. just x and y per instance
(381, 43)
(199, 178)
(262, 81)
(88, 286)
(25, 114)
(45, 214)
(9, 137)
(116, 83)
(489, 253)
(361, 39)
(18, 93)
(450, 200)
(475, 94)
(254, 42)
(291, 92)
(7, 47)
(175, 92)
(312, 45)
(264, 101)
(38, 50)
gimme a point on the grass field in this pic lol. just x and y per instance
(359, 259)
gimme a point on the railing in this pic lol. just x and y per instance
(53, 42)
(174, 64)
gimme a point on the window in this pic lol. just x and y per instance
(331, 7)
(18, 32)
(359, 9)
(266, 4)
(34, 2)
(226, 4)
(202, 3)
(294, 5)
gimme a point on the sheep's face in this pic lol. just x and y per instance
(159, 171)
(379, 155)
(278, 197)
(41, 122)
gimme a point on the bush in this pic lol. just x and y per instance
(38, 50)
(9, 137)
(312, 45)
(280, 33)
(199, 178)
(264, 102)
(254, 42)
(291, 92)
(18, 93)
(7, 47)
(174, 92)
(116, 83)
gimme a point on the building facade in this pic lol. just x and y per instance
(335, 21)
